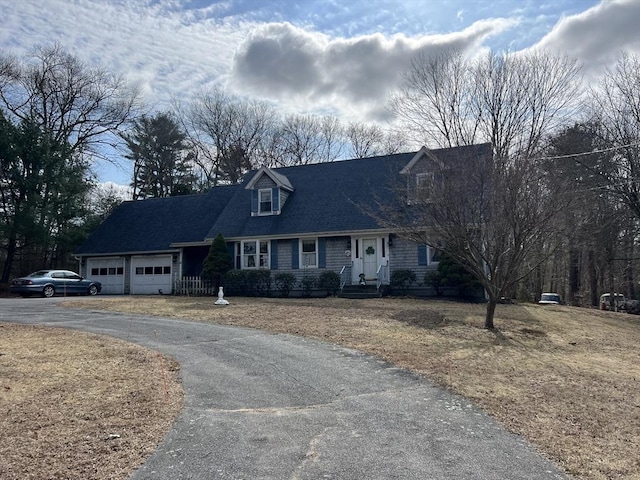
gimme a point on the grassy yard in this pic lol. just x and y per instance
(77, 406)
(567, 379)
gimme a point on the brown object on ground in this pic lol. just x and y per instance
(80, 406)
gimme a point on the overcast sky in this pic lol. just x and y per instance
(340, 57)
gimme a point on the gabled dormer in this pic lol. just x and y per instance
(420, 173)
(269, 192)
(429, 171)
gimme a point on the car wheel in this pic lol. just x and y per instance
(93, 290)
(48, 291)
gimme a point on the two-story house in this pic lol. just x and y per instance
(294, 219)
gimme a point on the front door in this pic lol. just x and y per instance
(370, 257)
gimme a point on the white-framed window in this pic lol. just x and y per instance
(424, 185)
(264, 201)
(309, 253)
(255, 254)
(433, 255)
(424, 180)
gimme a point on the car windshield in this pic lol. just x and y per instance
(551, 297)
(39, 273)
(607, 296)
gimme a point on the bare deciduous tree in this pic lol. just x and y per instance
(486, 215)
(73, 102)
(437, 101)
(364, 140)
(332, 139)
(222, 127)
(301, 140)
(616, 107)
(509, 100)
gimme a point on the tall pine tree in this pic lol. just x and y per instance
(158, 148)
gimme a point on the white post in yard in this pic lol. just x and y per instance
(221, 300)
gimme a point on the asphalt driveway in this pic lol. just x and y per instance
(265, 406)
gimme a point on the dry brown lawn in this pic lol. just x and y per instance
(567, 379)
(80, 406)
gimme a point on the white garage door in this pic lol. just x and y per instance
(109, 272)
(151, 274)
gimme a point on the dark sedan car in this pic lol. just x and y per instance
(49, 282)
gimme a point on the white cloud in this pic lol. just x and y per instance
(597, 35)
(167, 52)
(286, 63)
(113, 190)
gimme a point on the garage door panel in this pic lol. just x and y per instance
(109, 272)
(151, 275)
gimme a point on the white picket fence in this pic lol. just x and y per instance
(193, 286)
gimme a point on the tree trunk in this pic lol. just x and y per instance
(593, 279)
(8, 263)
(574, 275)
(491, 310)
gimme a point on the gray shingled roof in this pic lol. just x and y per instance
(154, 224)
(327, 198)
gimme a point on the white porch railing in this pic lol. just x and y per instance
(382, 276)
(345, 276)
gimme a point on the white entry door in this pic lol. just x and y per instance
(370, 257)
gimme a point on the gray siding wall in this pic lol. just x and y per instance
(284, 256)
(335, 247)
(283, 197)
(265, 182)
(335, 253)
(403, 255)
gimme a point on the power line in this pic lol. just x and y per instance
(583, 154)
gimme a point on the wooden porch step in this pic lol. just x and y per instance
(359, 291)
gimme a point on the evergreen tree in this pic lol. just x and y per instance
(159, 151)
(43, 188)
(217, 263)
(452, 274)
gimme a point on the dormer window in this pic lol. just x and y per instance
(424, 181)
(265, 201)
(424, 186)
(269, 192)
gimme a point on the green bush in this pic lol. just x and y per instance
(307, 283)
(454, 275)
(259, 283)
(433, 279)
(250, 283)
(235, 282)
(284, 283)
(402, 280)
(329, 281)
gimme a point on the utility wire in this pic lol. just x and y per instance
(583, 154)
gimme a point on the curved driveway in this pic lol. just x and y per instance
(278, 407)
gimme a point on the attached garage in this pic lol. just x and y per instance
(151, 274)
(109, 272)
